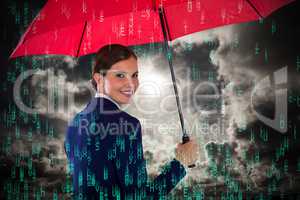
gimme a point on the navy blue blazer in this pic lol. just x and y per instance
(105, 156)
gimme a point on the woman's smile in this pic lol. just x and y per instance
(127, 93)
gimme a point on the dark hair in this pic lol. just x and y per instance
(109, 55)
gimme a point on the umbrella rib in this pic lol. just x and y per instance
(154, 5)
(81, 38)
(254, 8)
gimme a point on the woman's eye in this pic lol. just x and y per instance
(120, 75)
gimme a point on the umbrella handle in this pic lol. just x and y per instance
(185, 139)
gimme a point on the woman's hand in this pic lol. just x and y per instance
(187, 153)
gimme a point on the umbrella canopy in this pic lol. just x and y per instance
(78, 28)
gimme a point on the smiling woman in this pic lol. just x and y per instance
(104, 144)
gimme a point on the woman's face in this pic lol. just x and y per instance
(121, 81)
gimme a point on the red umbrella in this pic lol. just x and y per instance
(82, 27)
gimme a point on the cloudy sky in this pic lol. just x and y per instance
(240, 151)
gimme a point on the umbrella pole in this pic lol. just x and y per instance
(163, 22)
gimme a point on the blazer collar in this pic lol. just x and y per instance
(98, 94)
(101, 105)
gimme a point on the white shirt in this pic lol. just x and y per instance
(98, 94)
